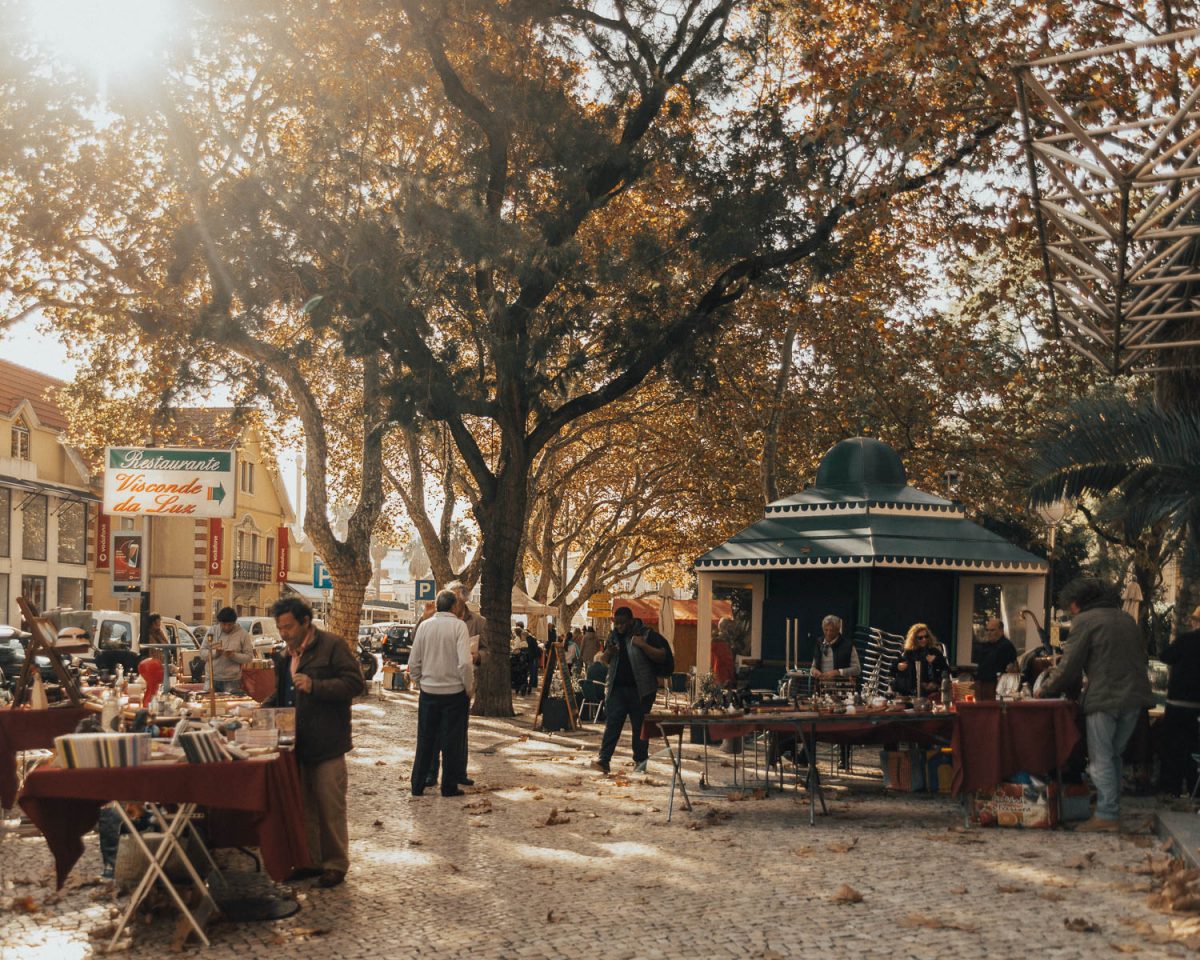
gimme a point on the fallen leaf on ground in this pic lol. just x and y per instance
(1052, 896)
(478, 807)
(551, 918)
(802, 851)
(1081, 862)
(959, 892)
(846, 894)
(842, 846)
(1126, 948)
(23, 905)
(1080, 925)
(1009, 888)
(415, 843)
(916, 920)
(554, 819)
(377, 824)
(381, 763)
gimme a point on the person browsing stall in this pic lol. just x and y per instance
(1105, 646)
(996, 656)
(834, 655)
(1178, 730)
(230, 646)
(319, 676)
(631, 653)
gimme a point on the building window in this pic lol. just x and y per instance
(72, 533)
(20, 441)
(33, 589)
(270, 557)
(254, 547)
(4, 598)
(33, 526)
(247, 475)
(72, 592)
(5, 522)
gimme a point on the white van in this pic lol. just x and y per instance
(121, 628)
(263, 633)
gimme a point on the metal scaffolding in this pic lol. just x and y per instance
(1112, 141)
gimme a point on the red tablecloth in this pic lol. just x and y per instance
(856, 729)
(30, 730)
(63, 804)
(994, 740)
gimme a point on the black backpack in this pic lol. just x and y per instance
(666, 666)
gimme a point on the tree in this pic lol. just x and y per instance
(1146, 457)
(508, 215)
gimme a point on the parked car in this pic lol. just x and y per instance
(397, 639)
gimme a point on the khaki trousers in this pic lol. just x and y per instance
(324, 789)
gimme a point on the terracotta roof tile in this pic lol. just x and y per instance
(19, 383)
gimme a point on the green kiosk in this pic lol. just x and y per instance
(862, 544)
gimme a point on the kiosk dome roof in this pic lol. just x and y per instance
(861, 461)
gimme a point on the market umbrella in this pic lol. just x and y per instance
(666, 613)
(1131, 596)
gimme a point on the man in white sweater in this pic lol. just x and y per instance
(440, 664)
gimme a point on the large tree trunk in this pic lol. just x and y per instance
(349, 590)
(501, 526)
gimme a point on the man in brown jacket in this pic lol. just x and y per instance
(319, 676)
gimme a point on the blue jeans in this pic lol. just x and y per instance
(623, 702)
(1107, 735)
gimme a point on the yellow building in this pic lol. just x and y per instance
(195, 567)
(47, 509)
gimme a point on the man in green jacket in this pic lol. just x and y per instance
(1106, 647)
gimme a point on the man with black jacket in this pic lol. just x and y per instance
(318, 675)
(1179, 737)
(632, 653)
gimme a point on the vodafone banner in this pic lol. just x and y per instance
(281, 555)
(216, 546)
(103, 541)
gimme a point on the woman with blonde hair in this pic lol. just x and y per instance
(922, 657)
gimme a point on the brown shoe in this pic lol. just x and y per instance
(304, 873)
(1098, 825)
(331, 878)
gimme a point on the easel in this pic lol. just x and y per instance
(42, 644)
(556, 666)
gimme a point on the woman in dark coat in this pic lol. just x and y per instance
(922, 657)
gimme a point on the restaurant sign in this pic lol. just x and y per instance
(168, 482)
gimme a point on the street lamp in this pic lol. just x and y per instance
(952, 478)
(1053, 514)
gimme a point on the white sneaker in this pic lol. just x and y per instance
(639, 767)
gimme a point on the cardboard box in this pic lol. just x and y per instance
(1031, 806)
(900, 773)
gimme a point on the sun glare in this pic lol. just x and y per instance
(105, 36)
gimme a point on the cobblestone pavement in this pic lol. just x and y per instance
(490, 875)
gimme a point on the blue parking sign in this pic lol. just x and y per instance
(426, 589)
(321, 578)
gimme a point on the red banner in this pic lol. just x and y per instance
(216, 546)
(281, 556)
(103, 541)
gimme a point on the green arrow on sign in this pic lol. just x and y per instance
(217, 493)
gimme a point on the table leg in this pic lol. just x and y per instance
(154, 869)
(676, 775)
(813, 783)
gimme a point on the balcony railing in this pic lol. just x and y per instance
(251, 572)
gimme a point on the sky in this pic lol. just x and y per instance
(24, 344)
